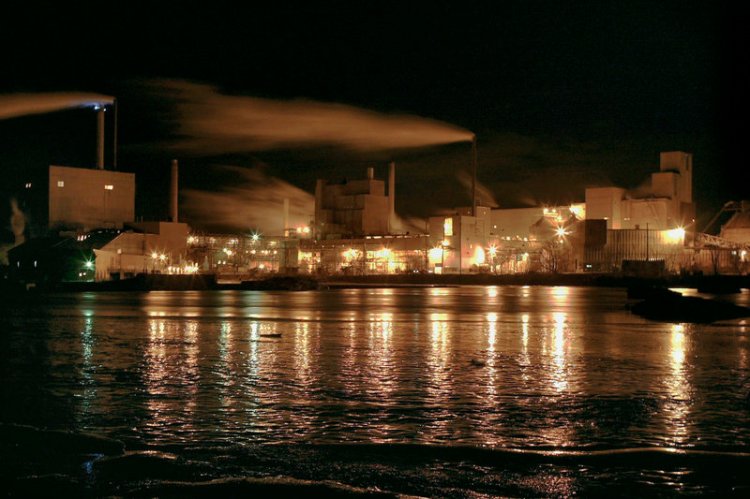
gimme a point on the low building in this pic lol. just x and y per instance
(737, 228)
(391, 254)
(147, 247)
(53, 259)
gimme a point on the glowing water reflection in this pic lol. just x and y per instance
(677, 405)
(540, 367)
(560, 377)
(439, 377)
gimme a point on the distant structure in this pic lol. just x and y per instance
(354, 208)
(737, 228)
(667, 203)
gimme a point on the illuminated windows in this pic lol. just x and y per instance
(448, 227)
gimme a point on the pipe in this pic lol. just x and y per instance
(114, 139)
(474, 176)
(370, 173)
(319, 192)
(391, 197)
(174, 193)
(100, 138)
(285, 228)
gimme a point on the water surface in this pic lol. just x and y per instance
(457, 391)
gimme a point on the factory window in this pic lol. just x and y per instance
(448, 227)
(109, 187)
(61, 183)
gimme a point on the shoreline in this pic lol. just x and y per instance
(204, 282)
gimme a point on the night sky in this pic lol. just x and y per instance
(561, 97)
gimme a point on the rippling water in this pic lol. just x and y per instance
(438, 392)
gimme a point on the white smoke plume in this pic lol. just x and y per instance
(484, 195)
(17, 222)
(254, 201)
(412, 225)
(15, 105)
(214, 123)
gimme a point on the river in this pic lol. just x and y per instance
(466, 391)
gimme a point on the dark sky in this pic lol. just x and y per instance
(559, 96)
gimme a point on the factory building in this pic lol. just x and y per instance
(354, 232)
(84, 199)
(390, 254)
(516, 223)
(458, 242)
(666, 203)
(354, 208)
(147, 247)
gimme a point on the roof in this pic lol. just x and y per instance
(740, 220)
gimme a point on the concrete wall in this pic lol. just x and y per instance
(132, 252)
(514, 223)
(172, 237)
(86, 199)
(658, 213)
(605, 203)
(682, 163)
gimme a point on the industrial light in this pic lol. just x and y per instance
(676, 236)
(561, 232)
(435, 255)
(479, 256)
(89, 264)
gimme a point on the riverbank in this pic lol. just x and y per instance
(533, 279)
(203, 282)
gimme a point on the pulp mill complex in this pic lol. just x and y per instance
(91, 233)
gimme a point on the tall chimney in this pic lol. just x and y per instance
(392, 197)
(100, 138)
(114, 137)
(320, 186)
(173, 193)
(474, 175)
(285, 228)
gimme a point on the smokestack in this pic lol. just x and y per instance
(392, 197)
(114, 138)
(370, 173)
(286, 217)
(320, 185)
(474, 175)
(173, 193)
(100, 138)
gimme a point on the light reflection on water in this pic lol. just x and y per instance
(677, 407)
(496, 366)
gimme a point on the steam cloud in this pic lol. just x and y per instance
(256, 201)
(484, 195)
(214, 123)
(17, 222)
(15, 105)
